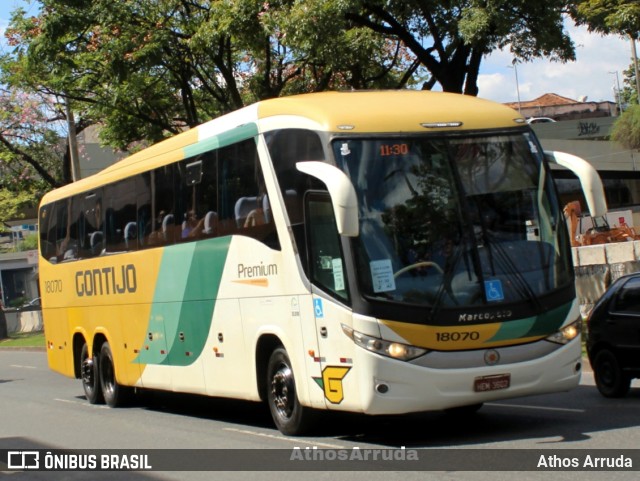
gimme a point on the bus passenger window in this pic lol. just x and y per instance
(121, 216)
(93, 241)
(67, 238)
(48, 232)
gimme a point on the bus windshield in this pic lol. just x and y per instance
(455, 221)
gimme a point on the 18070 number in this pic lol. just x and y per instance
(53, 286)
(457, 336)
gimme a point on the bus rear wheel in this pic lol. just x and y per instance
(90, 376)
(289, 416)
(115, 395)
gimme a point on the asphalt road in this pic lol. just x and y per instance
(40, 409)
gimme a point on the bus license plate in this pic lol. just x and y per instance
(492, 383)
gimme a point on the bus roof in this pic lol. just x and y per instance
(392, 110)
(382, 111)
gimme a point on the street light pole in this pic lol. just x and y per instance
(514, 66)
(618, 96)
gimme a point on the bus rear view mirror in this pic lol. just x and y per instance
(343, 195)
(588, 176)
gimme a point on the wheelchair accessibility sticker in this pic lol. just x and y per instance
(317, 307)
(493, 290)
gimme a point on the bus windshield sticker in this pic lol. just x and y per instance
(338, 274)
(493, 290)
(382, 276)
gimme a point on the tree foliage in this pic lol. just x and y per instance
(629, 94)
(151, 68)
(30, 147)
(626, 129)
(609, 16)
(31, 151)
(13, 203)
(447, 39)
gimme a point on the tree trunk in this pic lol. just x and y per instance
(3, 325)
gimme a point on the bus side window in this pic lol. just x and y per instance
(144, 222)
(69, 224)
(286, 148)
(161, 215)
(243, 205)
(47, 230)
(92, 241)
(121, 225)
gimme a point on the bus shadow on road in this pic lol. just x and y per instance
(216, 409)
(556, 419)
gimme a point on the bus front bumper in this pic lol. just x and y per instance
(396, 387)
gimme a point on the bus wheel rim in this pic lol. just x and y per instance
(283, 391)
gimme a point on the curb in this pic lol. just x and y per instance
(23, 348)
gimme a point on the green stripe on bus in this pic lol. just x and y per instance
(238, 134)
(180, 319)
(542, 325)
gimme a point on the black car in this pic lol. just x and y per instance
(613, 341)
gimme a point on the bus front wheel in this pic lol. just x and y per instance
(115, 395)
(289, 416)
(90, 376)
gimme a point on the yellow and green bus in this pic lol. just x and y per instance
(378, 252)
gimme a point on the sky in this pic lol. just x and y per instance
(593, 74)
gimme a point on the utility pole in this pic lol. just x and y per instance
(73, 142)
(618, 92)
(634, 56)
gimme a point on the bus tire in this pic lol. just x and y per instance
(90, 377)
(611, 381)
(115, 395)
(290, 417)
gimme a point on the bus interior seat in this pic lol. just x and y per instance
(130, 234)
(95, 241)
(210, 222)
(266, 208)
(167, 224)
(243, 206)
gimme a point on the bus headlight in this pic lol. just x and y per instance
(567, 333)
(395, 350)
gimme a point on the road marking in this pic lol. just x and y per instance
(284, 438)
(542, 408)
(23, 367)
(80, 403)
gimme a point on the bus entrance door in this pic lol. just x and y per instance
(335, 356)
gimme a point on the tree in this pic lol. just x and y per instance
(152, 68)
(618, 17)
(32, 152)
(448, 39)
(626, 129)
(629, 94)
(29, 140)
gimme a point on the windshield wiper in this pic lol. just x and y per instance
(506, 263)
